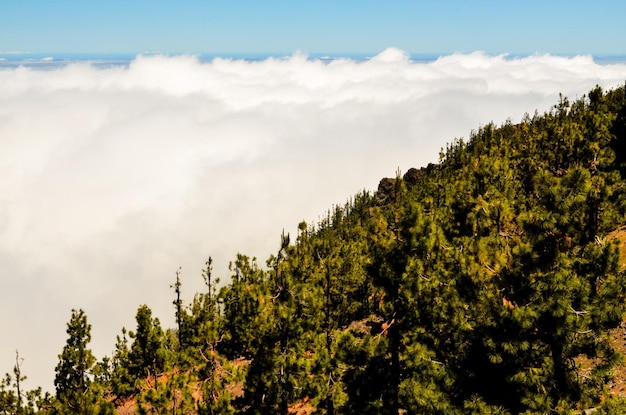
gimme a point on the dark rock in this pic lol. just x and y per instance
(413, 176)
(386, 192)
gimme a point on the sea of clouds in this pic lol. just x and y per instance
(111, 178)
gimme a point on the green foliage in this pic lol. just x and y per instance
(170, 394)
(245, 303)
(484, 284)
(122, 381)
(365, 374)
(15, 401)
(9, 402)
(147, 356)
(214, 376)
(75, 391)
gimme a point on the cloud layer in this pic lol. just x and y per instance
(113, 178)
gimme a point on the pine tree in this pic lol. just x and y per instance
(122, 381)
(246, 308)
(73, 379)
(147, 356)
(178, 304)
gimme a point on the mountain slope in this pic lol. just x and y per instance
(491, 282)
(488, 282)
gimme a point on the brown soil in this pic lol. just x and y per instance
(618, 385)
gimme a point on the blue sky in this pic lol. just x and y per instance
(322, 26)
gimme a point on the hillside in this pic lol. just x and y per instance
(491, 282)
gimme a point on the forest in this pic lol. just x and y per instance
(491, 282)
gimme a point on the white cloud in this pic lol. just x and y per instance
(112, 178)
